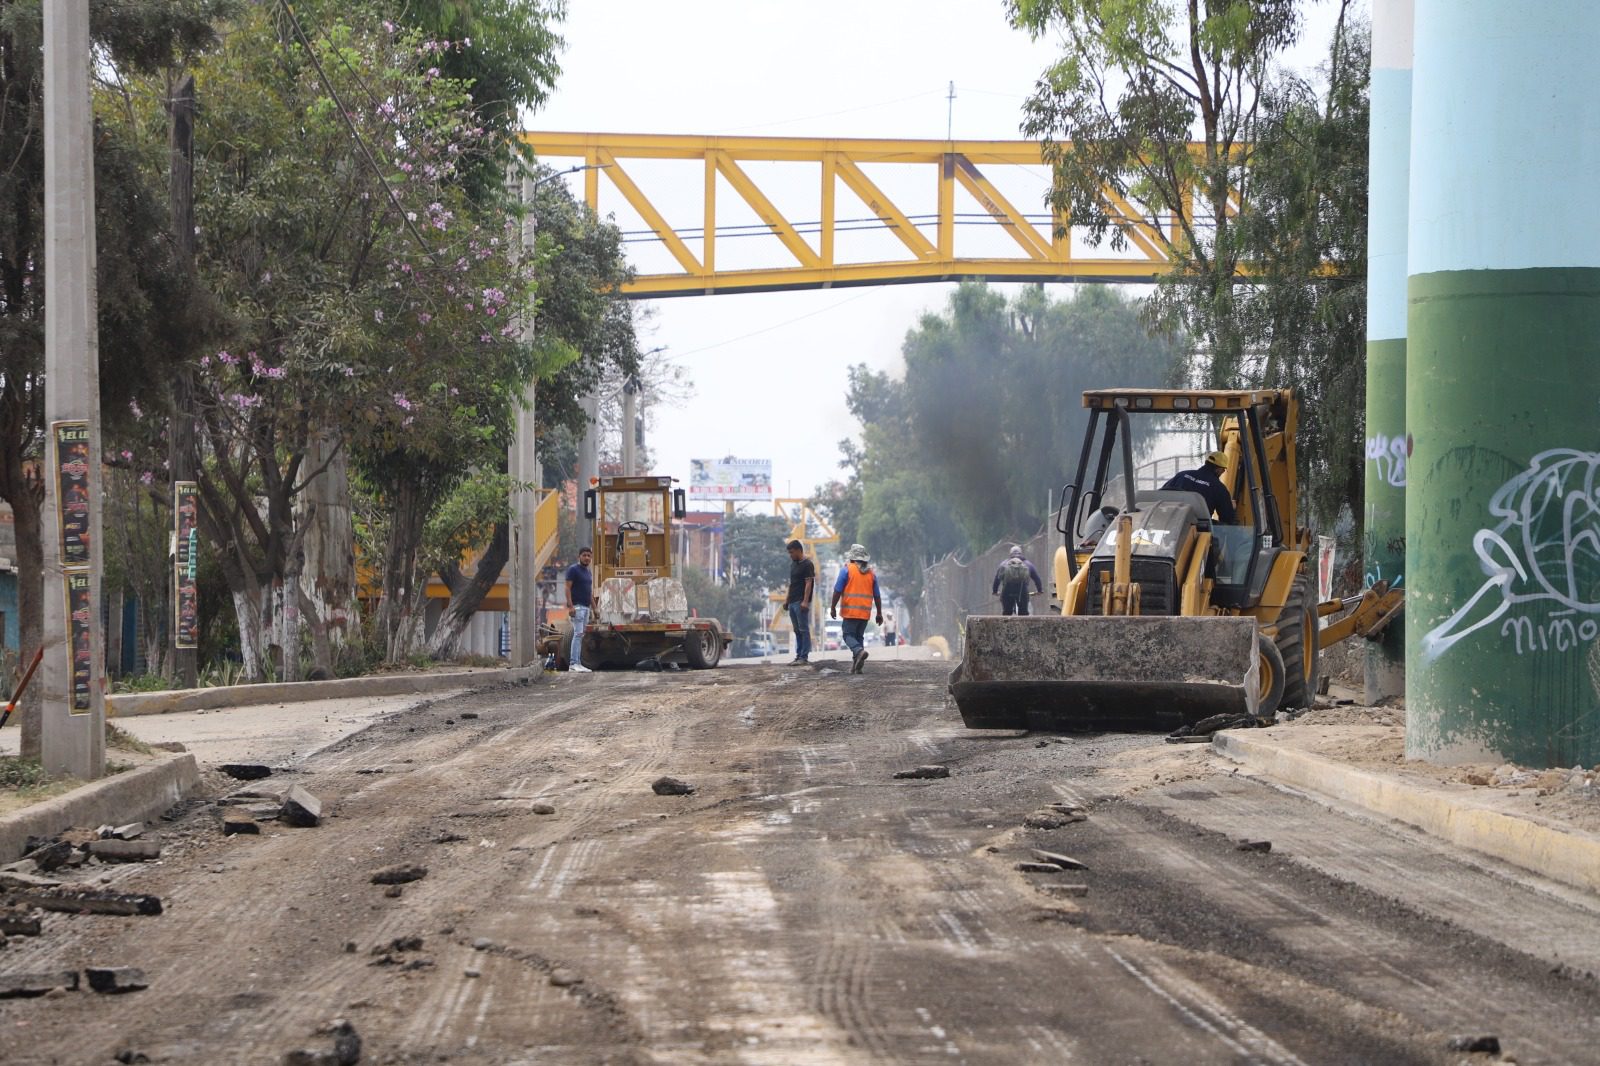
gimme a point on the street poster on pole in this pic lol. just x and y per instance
(78, 618)
(71, 441)
(730, 480)
(186, 564)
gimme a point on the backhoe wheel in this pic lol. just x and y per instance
(1272, 677)
(1299, 643)
(703, 648)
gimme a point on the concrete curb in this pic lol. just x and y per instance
(135, 795)
(1571, 857)
(209, 699)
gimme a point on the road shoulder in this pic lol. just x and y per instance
(1450, 812)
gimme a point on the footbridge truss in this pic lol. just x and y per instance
(757, 214)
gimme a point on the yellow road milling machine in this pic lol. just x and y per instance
(1168, 616)
(641, 615)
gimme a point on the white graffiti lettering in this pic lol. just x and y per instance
(1390, 453)
(1545, 549)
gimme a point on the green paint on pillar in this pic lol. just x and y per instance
(1384, 520)
(1503, 517)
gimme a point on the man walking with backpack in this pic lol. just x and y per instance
(1011, 582)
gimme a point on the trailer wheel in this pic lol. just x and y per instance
(563, 644)
(1299, 643)
(1272, 677)
(703, 648)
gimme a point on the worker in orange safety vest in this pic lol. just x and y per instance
(857, 589)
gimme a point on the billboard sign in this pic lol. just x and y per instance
(730, 480)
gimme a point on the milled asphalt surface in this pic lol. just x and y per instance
(803, 905)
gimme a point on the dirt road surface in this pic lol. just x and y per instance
(803, 905)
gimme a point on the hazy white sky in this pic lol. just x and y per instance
(769, 369)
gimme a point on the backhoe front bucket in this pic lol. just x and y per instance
(1056, 673)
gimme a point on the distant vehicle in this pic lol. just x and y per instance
(761, 645)
(832, 636)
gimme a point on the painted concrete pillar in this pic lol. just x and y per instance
(1388, 445)
(1503, 384)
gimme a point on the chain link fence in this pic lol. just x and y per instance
(951, 589)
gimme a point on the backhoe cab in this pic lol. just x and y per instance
(641, 615)
(1168, 616)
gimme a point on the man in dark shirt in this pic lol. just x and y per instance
(802, 582)
(580, 599)
(1207, 481)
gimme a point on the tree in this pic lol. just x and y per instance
(371, 298)
(145, 312)
(754, 549)
(1304, 231)
(1268, 237)
(1139, 81)
(964, 451)
(584, 336)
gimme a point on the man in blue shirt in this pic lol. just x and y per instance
(580, 599)
(1207, 481)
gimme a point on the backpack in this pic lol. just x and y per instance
(1014, 575)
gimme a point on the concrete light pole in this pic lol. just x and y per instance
(630, 430)
(1388, 444)
(72, 735)
(1502, 385)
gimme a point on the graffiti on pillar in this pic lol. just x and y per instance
(1390, 453)
(1542, 557)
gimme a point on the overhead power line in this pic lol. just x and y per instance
(779, 325)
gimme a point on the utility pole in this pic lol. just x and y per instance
(588, 461)
(950, 114)
(523, 464)
(180, 442)
(630, 431)
(73, 730)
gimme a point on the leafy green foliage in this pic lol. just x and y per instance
(21, 773)
(1139, 80)
(734, 607)
(147, 319)
(1301, 323)
(754, 545)
(989, 415)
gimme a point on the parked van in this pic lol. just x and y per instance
(832, 635)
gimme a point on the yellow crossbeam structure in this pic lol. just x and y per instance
(1044, 249)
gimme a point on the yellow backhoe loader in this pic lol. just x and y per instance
(1168, 616)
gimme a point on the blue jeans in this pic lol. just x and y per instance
(580, 622)
(800, 619)
(855, 634)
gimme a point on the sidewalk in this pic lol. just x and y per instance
(1545, 821)
(277, 723)
(267, 733)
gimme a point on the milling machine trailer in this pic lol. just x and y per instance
(641, 615)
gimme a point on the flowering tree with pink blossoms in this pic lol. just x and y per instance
(373, 302)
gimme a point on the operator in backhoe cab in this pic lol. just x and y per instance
(1207, 481)
(1011, 579)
